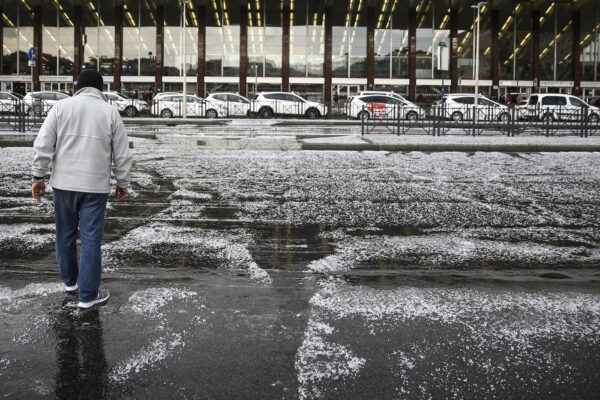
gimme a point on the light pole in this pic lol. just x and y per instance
(183, 62)
(475, 111)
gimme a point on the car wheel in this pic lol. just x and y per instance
(412, 116)
(166, 113)
(211, 113)
(547, 117)
(363, 115)
(130, 111)
(265, 113)
(457, 116)
(504, 117)
(313, 113)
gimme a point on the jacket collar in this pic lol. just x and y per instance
(92, 92)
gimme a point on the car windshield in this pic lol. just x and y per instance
(123, 96)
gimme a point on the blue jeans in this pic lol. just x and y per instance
(86, 210)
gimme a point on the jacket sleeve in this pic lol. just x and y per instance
(121, 154)
(45, 145)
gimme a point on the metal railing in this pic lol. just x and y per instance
(440, 120)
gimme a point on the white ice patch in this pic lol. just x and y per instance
(528, 330)
(29, 237)
(180, 209)
(160, 242)
(318, 360)
(532, 314)
(188, 194)
(146, 358)
(451, 250)
(149, 302)
(31, 290)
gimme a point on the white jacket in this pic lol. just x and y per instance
(82, 136)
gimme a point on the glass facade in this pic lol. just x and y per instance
(391, 41)
(590, 47)
(264, 38)
(307, 40)
(222, 56)
(139, 39)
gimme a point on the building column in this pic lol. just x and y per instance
(576, 53)
(243, 48)
(160, 47)
(118, 47)
(370, 47)
(328, 54)
(77, 43)
(495, 52)
(201, 11)
(453, 50)
(285, 48)
(412, 54)
(37, 45)
(535, 50)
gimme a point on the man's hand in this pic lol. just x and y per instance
(38, 189)
(120, 193)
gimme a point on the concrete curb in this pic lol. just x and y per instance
(449, 147)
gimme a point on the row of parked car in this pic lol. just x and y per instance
(365, 105)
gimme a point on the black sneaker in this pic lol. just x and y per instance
(72, 290)
(100, 300)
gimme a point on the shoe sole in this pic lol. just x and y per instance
(90, 304)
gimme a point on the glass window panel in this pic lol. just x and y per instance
(524, 43)
(339, 61)
(273, 50)
(564, 42)
(506, 45)
(424, 38)
(49, 49)
(256, 50)
(590, 33)
(399, 43)
(214, 51)
(172, 43)
(298, 50)
(547, 44)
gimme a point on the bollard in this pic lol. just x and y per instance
(362, 122)
(547, 117)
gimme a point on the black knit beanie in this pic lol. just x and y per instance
(90, 78)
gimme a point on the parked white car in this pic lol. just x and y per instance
(8, 103)
(40, 103)
(171, 105)
(560, 107)
(226, 105)
(386, 105)
(461, 106)
(130, 107)
(269, 104)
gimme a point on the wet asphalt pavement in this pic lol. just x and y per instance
(243, 267)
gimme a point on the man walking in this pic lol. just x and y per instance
(81, 136)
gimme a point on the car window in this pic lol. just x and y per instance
(5, 96)
(192, 99)
(465, 100)
(486, 102)
(370, 99)
(47, 96)
(576, 102)
(533, 100)
(240, 99)
(272, 96)
(220, 97)
(60, 96)
(295, 98)
(36, 95)
(111, 97)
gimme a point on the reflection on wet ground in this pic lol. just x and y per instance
(290, 274)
